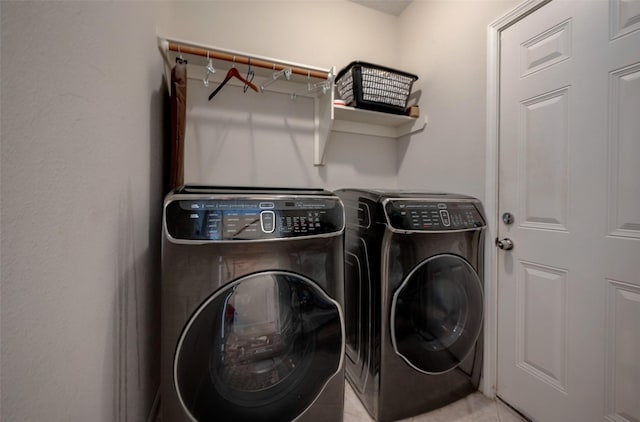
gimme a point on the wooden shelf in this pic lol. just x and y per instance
(338, 118)
(374, 123)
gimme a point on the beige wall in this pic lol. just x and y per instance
(320, 33)
(81, 151)
(447, 42)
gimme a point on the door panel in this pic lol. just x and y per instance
(624, 150)
(546, 49)
(569, 290)
(541, 346)
(624, 17)
(623, 381)
(543, 183)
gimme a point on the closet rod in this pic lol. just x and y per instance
(219, 55)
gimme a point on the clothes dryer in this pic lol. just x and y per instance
(413, 299)
(252, 295)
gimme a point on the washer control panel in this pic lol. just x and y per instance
(421, 215)
(252, 219)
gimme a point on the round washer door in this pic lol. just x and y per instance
(436, 314)
(262, 349)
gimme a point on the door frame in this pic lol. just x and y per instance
(490, 366)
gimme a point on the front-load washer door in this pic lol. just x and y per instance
(262, 348)
(436, 314)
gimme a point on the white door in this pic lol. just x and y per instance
(569, 290)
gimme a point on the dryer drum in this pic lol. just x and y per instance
(265, 339)
(437, 314)
(261, 347)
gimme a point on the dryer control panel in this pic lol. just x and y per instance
(433, 216)
(252, 219)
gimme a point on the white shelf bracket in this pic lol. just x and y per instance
(323, 117)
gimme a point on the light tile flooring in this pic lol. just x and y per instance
(473, 408)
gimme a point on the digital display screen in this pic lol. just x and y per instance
(432, 216)
(251, 220)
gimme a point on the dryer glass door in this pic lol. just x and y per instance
(436, 314)
(262, 349)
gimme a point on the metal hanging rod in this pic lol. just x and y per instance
(241, 58)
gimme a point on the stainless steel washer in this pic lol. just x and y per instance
(413, 299)
(252, 295)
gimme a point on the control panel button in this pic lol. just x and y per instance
(268, 221)
(266, 205)
(444, 215)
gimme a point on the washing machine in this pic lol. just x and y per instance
(252, 298)
(413, 299)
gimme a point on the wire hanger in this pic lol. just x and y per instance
(286, 72)
(210, 70)
(322, 87)
(249, 77)
(233, 73)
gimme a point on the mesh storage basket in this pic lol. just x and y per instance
(373, 87)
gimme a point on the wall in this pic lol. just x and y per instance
(447, 42)
(81, 130)
(320, 33)
(267, 139)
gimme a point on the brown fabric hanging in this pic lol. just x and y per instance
(178, 121)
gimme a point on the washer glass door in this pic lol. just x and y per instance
(262, 349)
(436, 314)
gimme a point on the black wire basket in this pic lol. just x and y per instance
(373, 87)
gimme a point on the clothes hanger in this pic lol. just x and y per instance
(286, 72)
(249, 77)
(179, 58)
(322, 86)
(210, 70)
(233, 73)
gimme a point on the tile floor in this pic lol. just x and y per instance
(473, 408)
